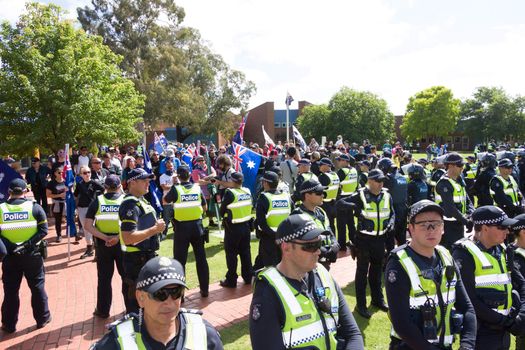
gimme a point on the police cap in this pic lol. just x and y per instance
(270, 177)
(520, 225)
(492, 216)
(455, 159)
(505, 163)
(139, 174)
(112, 181)
(423, 206)
(310, 186)
(346, 157)
(304, 161)
(298, 226)
(237, 177)
(160, 272)
(376, 175)
(17, 186)
(326, 161)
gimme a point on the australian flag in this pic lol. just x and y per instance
(154, 194)
(187, 157)
(239, 135)
(289, 99)
(7, 174)
(248, 162)
(69, 179)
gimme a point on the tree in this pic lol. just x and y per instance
(185, 83)
(356, 115)
(433, 112)
(59, 85)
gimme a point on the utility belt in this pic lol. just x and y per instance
(140, 257)
(398, 344)
(39, 249)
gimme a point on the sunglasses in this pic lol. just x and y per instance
(310, 247)
(95, 162)
(86, 173)
(164, 293)
(430, 224)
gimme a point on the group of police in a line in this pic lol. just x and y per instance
(294, 295)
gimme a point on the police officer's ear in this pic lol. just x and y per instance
(140, 297)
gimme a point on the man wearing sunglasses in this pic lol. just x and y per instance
(297, 303)
(505, 191)
(489, 276)
(161, 323)
(451, 194)
(420, 280)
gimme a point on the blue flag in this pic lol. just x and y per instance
(239, 135)
(248, 162)
(69, 178)
(187, 157)
(7, 174)
(154, 192)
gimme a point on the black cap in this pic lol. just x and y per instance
(237, 177)
(505, 163)
(376, 175)
(346, 157)
(270, 177)
(276, 170)
(112, 181)
(365, 162)
(17, 185)
(491, 215)
(160, 272)
(298, 226)
(35, 159)
(422, 161)
(139, 174)
(304, 161)
(183, 171)
(454, 158)
(326, 161)
(310, 186)
(387, 154)
(520, 225)
(424, 206)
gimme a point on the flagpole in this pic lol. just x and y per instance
(65, 209)
(287, 122)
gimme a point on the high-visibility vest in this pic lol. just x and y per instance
(280, 206)
(491, 274)
(241, 207)
(17, 223)
(422, 289)
(325, 224)
(333, 187)
(309, 176)
(471, 174)
(195, 336)
(349, 184)
(188, 206)
(107, 220)
(303, 324)
(146, 220)
(377, 213)
(459, 194)
(510, 188)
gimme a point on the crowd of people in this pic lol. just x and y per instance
(403, 220)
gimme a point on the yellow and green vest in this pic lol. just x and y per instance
(303, 324)
(146, 220)
(188, 206)
(279, 208)
(460, 197)
(510, 188)
(377, 213)
(422, 289)
(107, 220)
(333, 187)
(17, 223)
(471, 174)
(350, 182)
(241, 207)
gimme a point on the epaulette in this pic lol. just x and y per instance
(394, 251)
(458, 243)
(115, 323)
(191, 311)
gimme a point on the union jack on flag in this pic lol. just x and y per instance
(238, 152)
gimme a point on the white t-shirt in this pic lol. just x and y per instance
(166, 180)
(82, 161)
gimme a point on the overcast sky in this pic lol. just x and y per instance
(391, 48)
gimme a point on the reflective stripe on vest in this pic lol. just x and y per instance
(422, 289)
(471, 174)
(349, 183)
(241, 207)
(490, 273)
(309, 176)
(107, 220)
(325, 225)
(303, 326)
(510, 188)
(280, 207)
(17, 223)
(148, 211)
(459, 196)
(333, 187)
(520, 251)
(378, 213)
(188, 206)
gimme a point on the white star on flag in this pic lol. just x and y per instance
(250, 164)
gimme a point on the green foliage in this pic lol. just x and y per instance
(492, 114)
(356, 115)
(185, 83)
(431, 112)
(59, 85)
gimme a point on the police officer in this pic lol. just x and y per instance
(417, 188)
(312, 193)
(489, 275)
(424, 288)
(364, 168)
(23, 225)
(139, 230)
(297, 304)
(469, 174)
(348, 178)
(330, 181)
(103, 212)
(451, 194)
(518, 230)
(488, 165)
(438, 170)
(428, 174)
(161, 323)
(303, 174)
(188, 207)
(520, 164)
(505, 191)
(397, 185)
(373, 207)
(236, 209)
(271, 209)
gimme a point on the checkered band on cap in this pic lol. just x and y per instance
(297, 234)
(164, 276)
(309, 189)
(519, 227)
(137, 176)
(494, 221)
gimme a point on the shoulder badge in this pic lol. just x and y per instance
(392, 276)
(256, 313)
(129, 213)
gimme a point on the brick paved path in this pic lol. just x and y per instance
(71, 287)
